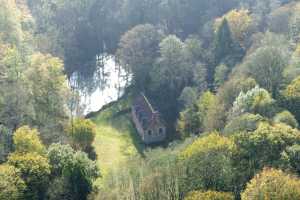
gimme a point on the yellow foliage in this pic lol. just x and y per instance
(214, 141)
(293, 90)
(240, 23)
(27, 140)
(82, 133)
(11, 184)
(272, 184)
(209, 195)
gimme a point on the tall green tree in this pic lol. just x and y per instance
(225, 48)
(138, 50)
(266, 65)
(49, 94)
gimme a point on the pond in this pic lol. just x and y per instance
(110, 88)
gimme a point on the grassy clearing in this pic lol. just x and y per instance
(116, 138)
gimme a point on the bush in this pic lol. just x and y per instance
(207, 164)
(75, 170)
(27, 140)
(292, 98)
(287, 118)
(82, 133)
(272, 184)
(35, 171)
(210, 195)
(256, 100)
(261, 148)
(247, 122)
(291, 158)
(11, 184)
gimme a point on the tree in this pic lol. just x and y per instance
(209, 195)
(10, 22)
(49, 93)
(278, 20)
(240, 23)
(138, 49)
(260, 148)
(170, 76)
(80, 175)
(231, 89)
(287, 118)
(59, 157)
(221, 74)
(293, 70)
(245, 123)
(73, 171)
(294, 24)
(188, 97)
(34, 170)
(291, 158)
(82, 133)
(226, 50)
(12, 186)
(14, 88)
(256, 101)
(189, 121)
(266, 65)
(202, 116)
(27, 140)
(207, 164)
(272, 184)
(5, 143)
(292, 98)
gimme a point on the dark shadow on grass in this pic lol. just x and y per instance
(123, 123)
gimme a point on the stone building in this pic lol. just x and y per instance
(148, 121)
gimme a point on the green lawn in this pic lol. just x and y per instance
(116, 138)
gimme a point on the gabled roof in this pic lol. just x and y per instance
(150, 115)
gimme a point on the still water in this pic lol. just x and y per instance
(104, 93)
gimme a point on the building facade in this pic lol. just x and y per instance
(147, 121)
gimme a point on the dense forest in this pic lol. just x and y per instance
(224, 75)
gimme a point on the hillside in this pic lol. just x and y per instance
(222, 76)
(116, 139)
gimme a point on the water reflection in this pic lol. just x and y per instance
(106, 85)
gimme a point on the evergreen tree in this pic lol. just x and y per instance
(223, 42)
(226, 50)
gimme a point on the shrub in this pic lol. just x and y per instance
(75, 170)
(272, 184)
(256, 100)
(11, 184)
(35, 171)
(82, 133)
(287, 118)
(209, 195)
(247, 122)
(261, 148)
(291, 158)
(292, 98)
(207, 164)
(27, 140)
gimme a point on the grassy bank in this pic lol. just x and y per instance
(116, 138)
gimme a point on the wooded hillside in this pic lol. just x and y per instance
(224, 75)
